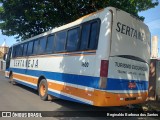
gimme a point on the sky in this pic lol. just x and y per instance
(152, 19)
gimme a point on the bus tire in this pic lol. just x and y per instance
(11, 80)
(43, 90)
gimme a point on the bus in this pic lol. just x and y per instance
(101, 59)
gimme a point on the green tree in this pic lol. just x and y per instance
(27, 18)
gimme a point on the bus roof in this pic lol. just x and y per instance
(74, 23)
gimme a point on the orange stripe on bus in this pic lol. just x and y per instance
(93, 52)
(80, 55)
(59, 87)
(26, 78)
(72, 90)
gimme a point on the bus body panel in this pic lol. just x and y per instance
(58, 63)
(130, 36)
(128, 70)
(125, 72)
(130, 49)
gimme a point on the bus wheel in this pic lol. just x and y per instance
(11, 79)
(43, 89)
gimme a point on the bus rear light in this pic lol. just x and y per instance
(104, 68)
(103, 74)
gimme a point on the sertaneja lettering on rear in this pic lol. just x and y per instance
(129, 31)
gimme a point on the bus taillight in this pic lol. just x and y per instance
(103, 74)
(104, 68)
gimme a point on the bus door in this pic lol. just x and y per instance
(8, 58)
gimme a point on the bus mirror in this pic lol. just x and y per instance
(5, 57)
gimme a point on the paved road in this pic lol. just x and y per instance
(21, 98)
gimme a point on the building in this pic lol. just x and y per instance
(154, 80)
(154, 49)
(154, 74)
(3, 49)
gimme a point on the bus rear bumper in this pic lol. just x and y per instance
(104, 98)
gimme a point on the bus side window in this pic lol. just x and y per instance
(73, 37)
(17, 50)
(25, 49)
(50, 44)
(30, 48)
(89, 36)
(93, 36)
(42, 45)
(84, 36)
(60, 41)
(35, 47)
(21, 49)
(14, 52)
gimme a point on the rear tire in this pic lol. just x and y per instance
(11, 79)
(43, 90)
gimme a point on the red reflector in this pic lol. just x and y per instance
(118, 98)
(104, 68)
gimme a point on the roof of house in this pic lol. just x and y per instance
(4, 44)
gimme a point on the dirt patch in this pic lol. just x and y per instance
(151, 106)
(148, 106)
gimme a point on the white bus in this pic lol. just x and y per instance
(101, 59)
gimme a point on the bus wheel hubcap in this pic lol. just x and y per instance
(42, 89)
